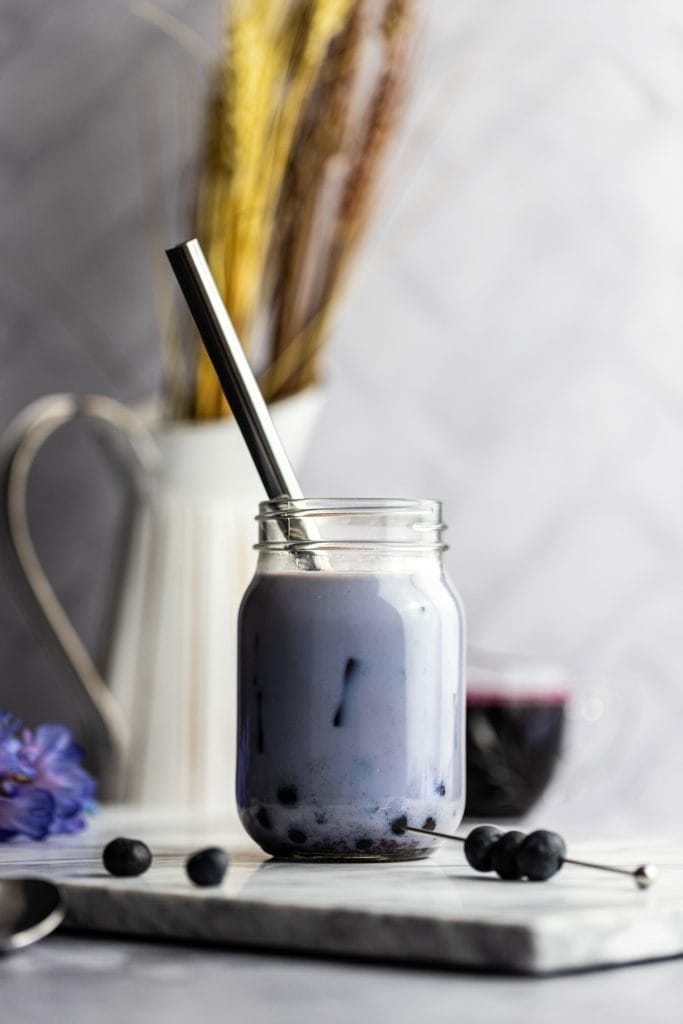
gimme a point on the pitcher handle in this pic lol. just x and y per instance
(136, 457)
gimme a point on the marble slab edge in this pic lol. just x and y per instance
(549, 945)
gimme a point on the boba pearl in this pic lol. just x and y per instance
(126, 858)
(541, 855)
(504, 855)
(479, 847)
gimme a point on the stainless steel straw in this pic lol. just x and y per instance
(234, 373)
(241, 389)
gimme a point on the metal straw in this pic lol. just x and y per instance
(242, 392)
(234, 373)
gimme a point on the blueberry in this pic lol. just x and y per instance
(504, 855)
(541, 854)
(126, 857)
(207, 867)
(479, 846)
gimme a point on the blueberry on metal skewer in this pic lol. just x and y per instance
(479, 846)
(504, 855)
(541, 859)
(541, 855)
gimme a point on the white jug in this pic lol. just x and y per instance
(165, 719)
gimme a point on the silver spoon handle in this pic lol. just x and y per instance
(230, 363)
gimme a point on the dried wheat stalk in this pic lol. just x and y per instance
(288, 174)
(272, 55)
(300, 337)
(304, 221)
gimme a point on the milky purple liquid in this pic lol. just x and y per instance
(350, 713)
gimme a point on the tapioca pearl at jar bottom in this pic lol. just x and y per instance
(263, 818)
(342, 827)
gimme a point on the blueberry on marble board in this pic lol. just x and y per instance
(207, 867)
(126, 858)
(479, 847)
(541, 855)
(504, 855)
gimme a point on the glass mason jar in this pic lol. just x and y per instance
(351, 682)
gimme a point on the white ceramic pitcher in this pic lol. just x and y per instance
(166, 715)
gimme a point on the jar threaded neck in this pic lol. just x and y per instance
(386, 525)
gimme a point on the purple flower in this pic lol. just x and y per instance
(10, 747)
(44, 790)
(30, 812)
(56, 760)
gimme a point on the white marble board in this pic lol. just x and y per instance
(436, 911)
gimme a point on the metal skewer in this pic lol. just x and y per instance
(42, 862)
(432, 832)
(644, 875)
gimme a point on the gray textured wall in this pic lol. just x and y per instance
(512, 342)
(100, 116)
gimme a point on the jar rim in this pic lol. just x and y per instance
(391, 526)
(303, 507)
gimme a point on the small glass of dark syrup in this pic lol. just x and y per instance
(515, 728)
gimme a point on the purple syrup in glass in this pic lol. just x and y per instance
(514, 736)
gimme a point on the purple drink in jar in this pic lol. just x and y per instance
(351, 696)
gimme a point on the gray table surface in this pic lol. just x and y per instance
(82, 980)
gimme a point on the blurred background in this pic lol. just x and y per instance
(510, 341)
